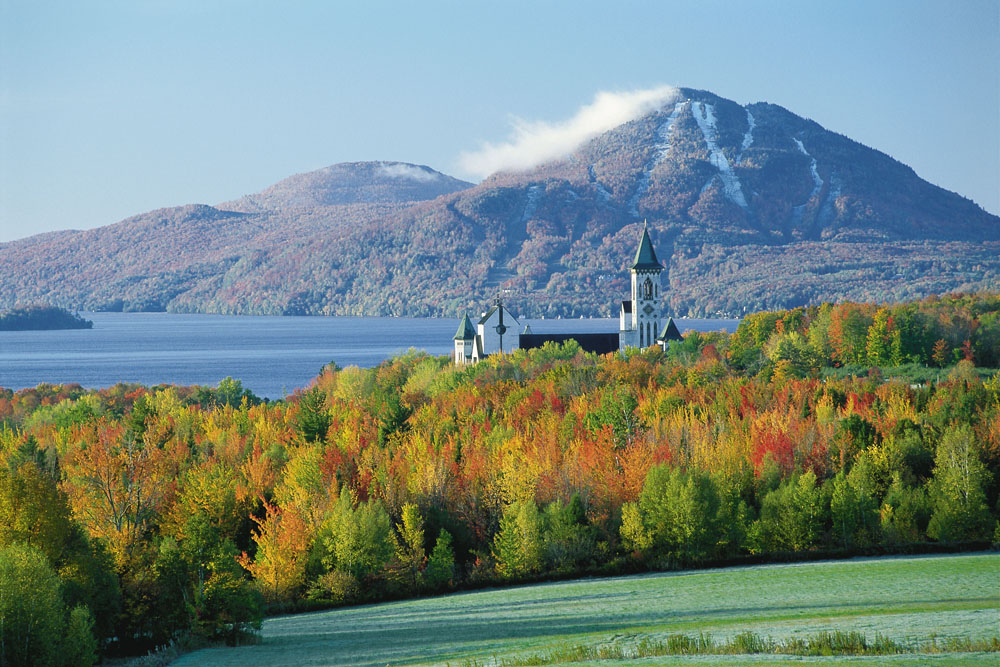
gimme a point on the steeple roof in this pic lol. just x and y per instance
(645, 257)
(465, 330)
(669, 332)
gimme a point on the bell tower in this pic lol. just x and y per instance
(647, 292)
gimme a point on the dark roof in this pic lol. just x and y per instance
(670, 331)
(627, 306)
(465, 330)
(486, 315)
(645, 257)
(599, 343)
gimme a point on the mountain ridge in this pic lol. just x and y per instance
(750, 206)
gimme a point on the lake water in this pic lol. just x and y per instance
(272, 356)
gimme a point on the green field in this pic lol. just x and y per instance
(907, 599)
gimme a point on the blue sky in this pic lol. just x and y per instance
(108, 109)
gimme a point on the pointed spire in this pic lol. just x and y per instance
(645, 257)
(670, 332)
(465, 329)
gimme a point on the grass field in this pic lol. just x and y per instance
(907, 599)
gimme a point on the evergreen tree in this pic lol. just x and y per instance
(440, 569)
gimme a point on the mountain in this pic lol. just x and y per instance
(749, 206)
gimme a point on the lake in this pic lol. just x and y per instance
(272, 356)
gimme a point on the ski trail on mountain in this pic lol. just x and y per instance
(661, 148)
(817, 181)
(747, 137)
(704, 114)
(534, 194)
(602, 192)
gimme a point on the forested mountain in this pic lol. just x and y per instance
(749, 206)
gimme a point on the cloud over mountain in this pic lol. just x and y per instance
(536, 142)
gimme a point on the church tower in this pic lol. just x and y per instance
(640, 318)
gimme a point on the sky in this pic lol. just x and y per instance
(113, 108)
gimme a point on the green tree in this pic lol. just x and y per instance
(410, 546)
(440, 569)
(313, 419)
(853, 510)
(791, 516)
(32, 615)
(905, 513)
(357, 541)
(957, 492)
(569, 541)
(676, 517)
(80, 645)
(518, 545)
(205, 586)
(878, 346)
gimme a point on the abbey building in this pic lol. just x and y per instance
(642, 320)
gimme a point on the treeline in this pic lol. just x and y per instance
(937, 331)
(132, 516)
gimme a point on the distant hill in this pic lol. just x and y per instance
(750, 207)
(351, 183)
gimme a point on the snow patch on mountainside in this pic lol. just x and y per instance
(534, 194)
(817, 181)
(602, 192)
(827, 213)
(704, 114)
(747, 137)
(660, 150)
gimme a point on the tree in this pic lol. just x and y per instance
(879, 346)
(569, 541)
(957, 489)
(34, 512)
(440, 569)
(905, 513)
(113, 489)
(205, 584)
(312, 418)
(791, 516)
(848, 332)
(279, 568)
(410, 545)
(32, 614)
(854, 512)
(358, 541)
(676, 518)
(518, 545)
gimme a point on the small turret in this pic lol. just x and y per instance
(465, 339)
(670, 333)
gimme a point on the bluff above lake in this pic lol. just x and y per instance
(750, 207)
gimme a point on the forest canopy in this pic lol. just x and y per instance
(137, 515)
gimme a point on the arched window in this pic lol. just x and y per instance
(647, 289)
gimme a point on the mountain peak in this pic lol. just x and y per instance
(749, 207)
(373, 182)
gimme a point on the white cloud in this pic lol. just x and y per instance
(412, 172)
(533, 143)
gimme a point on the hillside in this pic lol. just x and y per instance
(749, 206)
